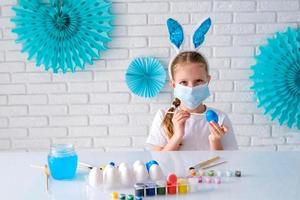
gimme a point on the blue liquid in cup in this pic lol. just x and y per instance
(62, 163)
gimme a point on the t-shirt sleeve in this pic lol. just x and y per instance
(229, 140)
(157, 135)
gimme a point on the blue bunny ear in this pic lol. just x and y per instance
(199, 33)
(175, 33)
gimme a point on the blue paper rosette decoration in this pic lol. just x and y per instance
(276, 77)
(145, 77)
(63, 34)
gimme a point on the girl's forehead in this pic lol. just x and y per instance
(190, 71)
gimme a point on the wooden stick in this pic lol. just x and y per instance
(206, 162)
(47, 174)
(37, 166)
(85, 165)
(190, 113)
(210, 166)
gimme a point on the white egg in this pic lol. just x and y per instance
(95, 177)
(123, 165)
(141, 174)
(111, 176)
(136, 164)
(155, 173)
(126, 175)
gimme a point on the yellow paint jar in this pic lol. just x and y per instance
(182, 186)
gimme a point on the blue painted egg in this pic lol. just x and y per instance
(211, 116)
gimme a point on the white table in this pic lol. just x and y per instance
(265, 175)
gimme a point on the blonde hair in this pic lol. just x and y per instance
(181, 58)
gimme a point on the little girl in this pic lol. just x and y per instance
(184, 126)
(180, 128)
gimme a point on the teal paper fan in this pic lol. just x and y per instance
(276, 77)
(145, 77)
(63, 34)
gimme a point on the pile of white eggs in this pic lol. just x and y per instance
(125, 175)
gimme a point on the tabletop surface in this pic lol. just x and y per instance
(265, 175)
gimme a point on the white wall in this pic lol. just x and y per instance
(94, 108)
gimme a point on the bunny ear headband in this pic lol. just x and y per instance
(176, 36)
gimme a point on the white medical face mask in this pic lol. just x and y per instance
(191, 97)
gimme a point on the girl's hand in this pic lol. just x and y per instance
(178, 120)
(216, 132)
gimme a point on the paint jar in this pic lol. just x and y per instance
(122, 197)
(139, 189)
(130, 197)
(160, 188)
(193, 184)
(200, 179)
(211, 173)
(150, 189)
(182, 186)
(62, 161)
(171, 188)
(115, 195)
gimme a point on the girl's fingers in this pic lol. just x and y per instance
(217, 129)
(213, 130)
(222, 129)
(182, 119)
(225, 128)
(180, 114)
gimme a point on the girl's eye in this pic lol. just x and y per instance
(183, 83)
(199, 81)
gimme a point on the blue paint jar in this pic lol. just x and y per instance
(150, 189)
(62, 161)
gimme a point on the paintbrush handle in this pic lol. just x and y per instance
(85, 165)
(207, 162)
(210, 166)
(190, 113)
